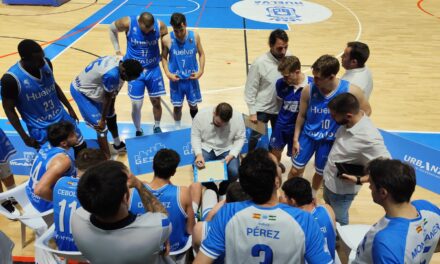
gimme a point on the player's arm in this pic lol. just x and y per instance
(106, 104)
(163, 29)
(251, 90)
(363, 102)
(201, 53)
(55, 170)
(196, 142)
(61, 95)
(185, 200)
(214, 210)
(149, 201)
(9, 94)
(120, 25)
(166, 44)
(303, 104)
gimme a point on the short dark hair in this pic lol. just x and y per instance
(102, 188)
(147, 19)
(88, 158)
(395, 176)
(359, 52)
(177, 19)
(278, 34)
(326, 65)
(289, 63)
(257, 175)
(27, 47)
(224, 111)
(165, 163)
(133, 68)
(344, 103)
(234, 193)
(59, 132)
(299, 189)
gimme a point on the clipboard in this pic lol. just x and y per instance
(351, 169)
(214, 171)
(259, 127)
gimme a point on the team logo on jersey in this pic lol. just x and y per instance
(281, 11)
(26, 83)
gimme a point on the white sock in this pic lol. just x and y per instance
(157, 123)
(136, 107)
(116, 141)
(177, 124)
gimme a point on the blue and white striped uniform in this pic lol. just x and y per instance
(318, 133)
(89, 87)
(402, 240)
(6, 148)
(169, 196)
(183, 62)
(145, 49)
(65, 204)
(38, 102)
(326, 226)
(39, 168)
(248, 233)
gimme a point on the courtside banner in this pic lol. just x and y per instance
(425, 160)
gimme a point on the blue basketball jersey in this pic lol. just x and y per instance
(319, 124)
(39, 168)
(248, 233)
(143, 47)
(325, 223)
(65, 204)
(38, 103)
(6, 147)
(290, 105)
(402, 240)
(169, 196)
(183, 61)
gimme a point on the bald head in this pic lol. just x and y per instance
(147, 19)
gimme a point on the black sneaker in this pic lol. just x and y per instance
(139, 133)
(11, 209)
(156, 130)
(120, 148)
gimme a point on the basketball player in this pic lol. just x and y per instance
(180, 66)
(51, 163)
(6, 176)
(288, 90)
(315, 129)
(298, 193)
(143, 33)
(29, 86)
(95, 90)
(65, 201)
(409, 231)
(176, 199)
(262, 230)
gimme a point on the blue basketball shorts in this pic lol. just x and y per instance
(182, 88)
(308, 146)
(149, 78)
(282, 136)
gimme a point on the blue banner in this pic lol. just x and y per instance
(425, 160)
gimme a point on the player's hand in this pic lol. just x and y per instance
(173, 77)
(119, 53)
(228, 158)
(73, 115)
(133, 181)
(165, 249)
(196, 75)
(200, 161)
(100, 126)
(295, 147)
(253, 118)
(349, 178)
(31, 142)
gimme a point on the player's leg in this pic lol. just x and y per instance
(176, 96)
(112, 125)
(277, 143)
(299, 162)
(193, 97)
(136, 91)
(156, 88)
(323, 148)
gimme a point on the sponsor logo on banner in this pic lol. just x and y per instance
(25, 161)
(427, 166)
(146, 156)
(280, 12)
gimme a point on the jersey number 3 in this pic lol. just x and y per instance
(268, 253)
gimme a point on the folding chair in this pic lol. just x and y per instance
(351, 236)
(30, 216)
(181, 255)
